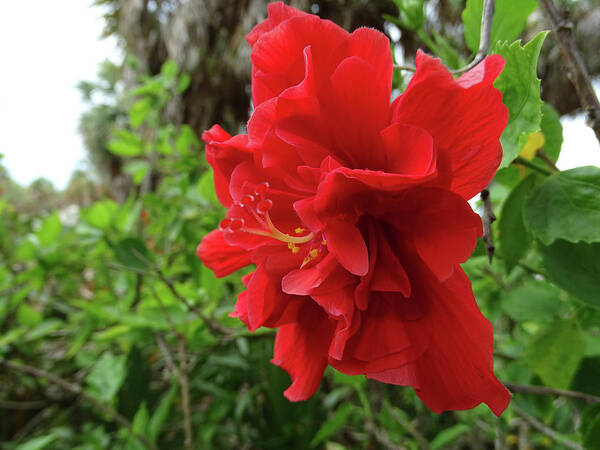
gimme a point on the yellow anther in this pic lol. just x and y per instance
(299, 230)
(291, 245)
(305, 261)
(295, 250)
(324, 242)
(314, 253)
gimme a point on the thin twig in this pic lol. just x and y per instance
(403, 67)
(181, 373)
(540, 153)
(10, 404)
(78, 390)
(545, 390)
(563, 32)
(535, 423)
(423, 444)
(484, 37)
(487, 219)
(526, 163)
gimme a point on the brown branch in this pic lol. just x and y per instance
(545, 390)
(487, 219)
(535, 423)
(78, 390)
(9, 404)
(563, 33)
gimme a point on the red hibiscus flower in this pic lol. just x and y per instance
(355, 212)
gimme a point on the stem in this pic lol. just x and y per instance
(526, 163)
(484, 38)
(545, 390)
(78, 390)
(487, 219)
(540, 153)
(535, 423)
(563, 33)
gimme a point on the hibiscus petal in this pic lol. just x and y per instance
(224, 153)
(408, 150)
(301, 350)
(465, 117)
(455, 373)
(277, 12)
(222, 258)
(345, 241)
(443, 227)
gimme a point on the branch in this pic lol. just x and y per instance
(545, 390)
(535, 423)
(578, 74)
(78, 390)
(412, 430)
(540, 153)
(487, 219)
(526, 163)
(484, 38)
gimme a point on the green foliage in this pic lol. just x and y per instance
(514, 239)
(566, 206)
(555, 353)
(520, 88)
(509, 20)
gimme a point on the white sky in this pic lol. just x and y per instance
(47, 47)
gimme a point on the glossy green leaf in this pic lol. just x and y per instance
(337, 420)
(566, 206)
(575, 268)
(520, 88)
(514, 237)
(510, 17)
(107, 376)
(535, 300)
(126, 144)
(555, 353)
(50, 230)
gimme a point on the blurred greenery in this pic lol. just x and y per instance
(113, 334)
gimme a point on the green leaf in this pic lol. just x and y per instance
(186, 140)
(138, 169)
(26, 315)
(575, 268)
(150, 87)
(555, 353)
(107, 376)
(139, 111)
(140, 420)
(169, 69)
(183, 83)
(553, 131)
(101, 213)
(412, 15)
(566, 206)
(510, 17)
(50, 230)
(534, 300)
(337, 420)
(590, 427)
(514, 238)
(126, 144)
(133, 254)
(160, 415)
(37, 443)
(520, 88)
(445, 437)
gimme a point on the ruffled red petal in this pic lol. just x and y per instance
(221, 257)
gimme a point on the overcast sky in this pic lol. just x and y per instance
(47, 47)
